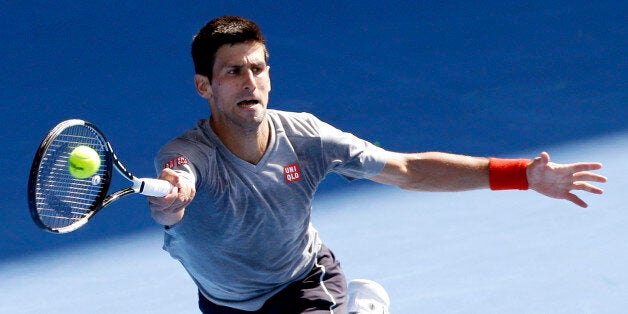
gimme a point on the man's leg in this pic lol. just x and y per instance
(323, 290)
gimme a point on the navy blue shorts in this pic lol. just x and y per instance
(323, 290)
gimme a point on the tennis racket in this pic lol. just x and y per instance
(60, 203)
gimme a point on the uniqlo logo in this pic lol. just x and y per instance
(177, 162)
(292, 173)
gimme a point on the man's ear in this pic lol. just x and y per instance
(269, 85)
(203, 87)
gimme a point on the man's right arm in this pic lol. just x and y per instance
(169, 210)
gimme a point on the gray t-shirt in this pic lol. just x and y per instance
(247, 234)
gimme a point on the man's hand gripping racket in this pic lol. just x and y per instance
(61, 203)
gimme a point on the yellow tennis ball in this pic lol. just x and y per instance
(84, 162)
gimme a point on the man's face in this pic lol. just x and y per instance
(240, 86)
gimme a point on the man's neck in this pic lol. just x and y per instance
(248, 145)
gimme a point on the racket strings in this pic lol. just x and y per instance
(61, 199)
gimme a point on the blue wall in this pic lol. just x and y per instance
(482, 78)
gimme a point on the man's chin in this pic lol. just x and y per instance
(253, 119)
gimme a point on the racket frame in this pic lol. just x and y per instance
(103, 199)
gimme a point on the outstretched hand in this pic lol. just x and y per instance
(558, 180)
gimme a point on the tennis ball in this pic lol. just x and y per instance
(84, 162)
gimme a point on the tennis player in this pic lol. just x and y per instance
(238, 218)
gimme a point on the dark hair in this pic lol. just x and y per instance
(225, 30)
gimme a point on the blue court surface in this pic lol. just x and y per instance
(494, 78)
(474, 252)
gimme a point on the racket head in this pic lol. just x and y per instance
(57, 201)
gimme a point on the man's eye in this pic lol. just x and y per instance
(233, 71)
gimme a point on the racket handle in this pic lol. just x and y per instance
(155, 187)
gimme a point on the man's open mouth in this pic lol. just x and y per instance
(248, 103)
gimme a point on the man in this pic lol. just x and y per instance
(238, 217)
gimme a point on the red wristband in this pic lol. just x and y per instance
(508, 174)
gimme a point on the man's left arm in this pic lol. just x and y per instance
(435, 171)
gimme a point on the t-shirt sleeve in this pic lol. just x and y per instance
(178, 156)
(348, 155)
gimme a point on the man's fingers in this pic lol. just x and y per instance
(164, 203)
(589, 176)
(186, 193)
(583, 186)
(169, 175)
(576, 200)
(585, 166)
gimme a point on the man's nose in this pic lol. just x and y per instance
(249, 81)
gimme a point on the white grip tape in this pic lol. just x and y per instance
(155, 187)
